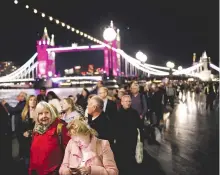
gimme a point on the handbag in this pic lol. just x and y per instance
(139, 154)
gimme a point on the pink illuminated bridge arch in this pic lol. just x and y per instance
(75, 48)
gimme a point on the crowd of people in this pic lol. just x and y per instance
(93, 133)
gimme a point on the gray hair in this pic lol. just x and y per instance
(96, 100)
(24, 94)
(44, 105)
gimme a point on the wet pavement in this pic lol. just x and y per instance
(189, 142)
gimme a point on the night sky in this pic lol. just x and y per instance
(164, 30)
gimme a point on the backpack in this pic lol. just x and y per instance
(59, 133)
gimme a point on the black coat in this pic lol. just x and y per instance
(82, 101)
(42, 98)
(128, 121)
(155, 102)
(111, 110)
(16, 111)
(25, 142)
(126, 125)
(102, 125)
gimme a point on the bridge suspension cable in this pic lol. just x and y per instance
(187, 70)
(63, 24)
(214, 67)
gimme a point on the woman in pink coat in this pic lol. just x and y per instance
(87, 154)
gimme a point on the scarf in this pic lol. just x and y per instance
(40, 129)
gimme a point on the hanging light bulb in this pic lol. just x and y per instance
(16, 1)
(50, 18)
(63, 24)
(35, 10)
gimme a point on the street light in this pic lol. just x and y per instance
(170, 65)
(141, 56)
(109, 34)
(180, 68)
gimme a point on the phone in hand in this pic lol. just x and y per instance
(75, 171)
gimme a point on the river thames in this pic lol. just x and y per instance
(10, 94)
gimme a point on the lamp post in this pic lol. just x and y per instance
(179, 69)
(109, 34)
(110, 62)
(141, 57)
(170, 65)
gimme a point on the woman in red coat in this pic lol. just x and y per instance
(46, 153)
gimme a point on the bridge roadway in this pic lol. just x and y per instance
(189, 144)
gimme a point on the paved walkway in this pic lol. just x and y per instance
(189, 143)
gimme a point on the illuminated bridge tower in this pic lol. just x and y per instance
(46, 61)
(111, 59)
(119, 61)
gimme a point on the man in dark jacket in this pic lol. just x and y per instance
(156, 102)
(15, 113)
(128, 121)
(138, 101)
(110, 107)
(42, 96)
(98, 120)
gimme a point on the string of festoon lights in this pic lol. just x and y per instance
(64, 25)
(89, 37)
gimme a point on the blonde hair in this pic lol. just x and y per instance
(44, 105)
(55, 109)
(78, 126)
(26, 107)
(70, 102)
